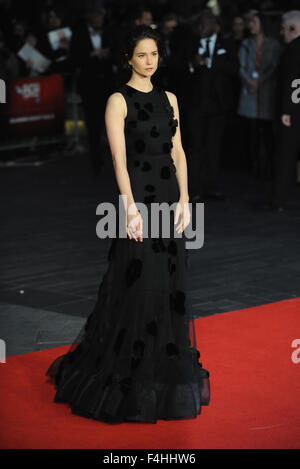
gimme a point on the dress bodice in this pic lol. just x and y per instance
(149, 123)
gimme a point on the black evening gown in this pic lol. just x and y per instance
(135, 359)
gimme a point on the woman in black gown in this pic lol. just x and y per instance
(135, 359)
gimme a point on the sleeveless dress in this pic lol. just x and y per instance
(135, 359)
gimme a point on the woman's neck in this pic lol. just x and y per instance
(143, 84)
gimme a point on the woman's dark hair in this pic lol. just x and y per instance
(264, 22)
(136, 34)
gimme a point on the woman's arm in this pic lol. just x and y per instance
(178, 153)
(114, 123)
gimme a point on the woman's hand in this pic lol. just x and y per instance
(134, 228)
(286, 120)
(183, 210)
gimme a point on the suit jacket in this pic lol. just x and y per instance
(213, 88)
(289, 70)
(175, 70)
(260, 104)
(94, 73)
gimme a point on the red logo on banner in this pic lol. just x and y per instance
(35, 106)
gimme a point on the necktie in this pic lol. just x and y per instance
(207, 51)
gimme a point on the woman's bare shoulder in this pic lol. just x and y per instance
(172, 97)
(117, 101)
(116, 97)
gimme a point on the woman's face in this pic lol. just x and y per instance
(254, 25)
(145, 56)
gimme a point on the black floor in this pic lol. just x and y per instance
(52, 261)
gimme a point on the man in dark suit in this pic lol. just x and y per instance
(215, 65)
(288, 145)
(90, 53)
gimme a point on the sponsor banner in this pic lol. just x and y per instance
(35, 106)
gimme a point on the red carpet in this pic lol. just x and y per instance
(255, 393)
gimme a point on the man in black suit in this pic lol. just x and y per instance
(90, 53)
(289, 112)
(215, 65)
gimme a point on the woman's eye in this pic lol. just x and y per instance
(142, 55)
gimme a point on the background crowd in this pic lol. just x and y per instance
(230, 64)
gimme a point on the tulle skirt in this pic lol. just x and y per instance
(136, 359)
